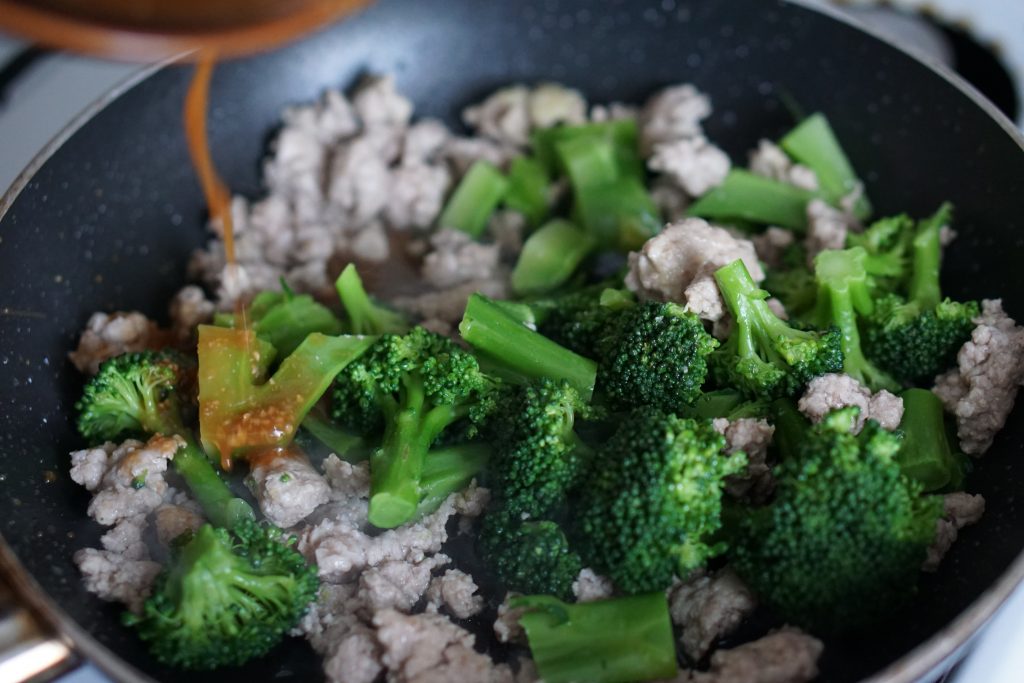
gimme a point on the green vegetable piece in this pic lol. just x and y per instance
(532, 556)
(524, 354)
(619, 214)
(365, 316)
(529, 188)
(549, 257)
(926, 454)
(284, 319)
(343, 443)
(621, 134)
(587, 162)
(474, 200)
(607, 641)
(448, 469)
(814, 144)
(753, 198)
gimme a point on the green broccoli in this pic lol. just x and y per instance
(842, 543)
(365, 316)
(927, 454)
(764, 356)
(918, 337)
(652, 500)
(576, 319)
(414, 385)
(728, 403)
(528, 557)
(844, 295)
(607, 641)
(229, 593)
(887, 246)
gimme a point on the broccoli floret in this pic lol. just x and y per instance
(226, 597)
(574, 320)
(652, 500)
(764, 356)
(844, 295)
(794, 287)
(365, 316)
(415, 385)
(843, 541)
(528, 557)
(917, 337)
(606, 641)
(886, 243)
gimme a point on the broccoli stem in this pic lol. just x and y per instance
(522, 353)
(790, 426)
(753, 198)
(528, 189)
(347, 446)
(621, 134)
(608, 641)
(447, 470)
(475, 198)
(365, 317)
(587, 162)
(925, 454)
(549, 257)
(219, 504)
(924, 286)
(747, 302)
(619, 214)
(814, 144)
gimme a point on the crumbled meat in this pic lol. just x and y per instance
(455, 258)
(590, 586)
(174, 520)
(448, 305)
(396, 584)
(709, 607)
(424, 648)
(287, 487)
(671, 114)
(507, 628)
(371, 244)
(551, 104)
(827, 228)
(671, 200)
(771, 245)
(188, 309)
(359, 183)
(504, 116)
(125, 480)
(526, 670)
(334, 629)
(416, 195)
(982, 389)
(423, 142)
(125, 538)
(462, 153)
(785, 656)
(116, 578)
(616, 111)
(110, 334)
(771, 161)
(379, 104)
(679, 264)
(456, 592)
(507, 229)
(354, 659)
(694, 164)
(959, 510)
(751, 436)
(833, 391)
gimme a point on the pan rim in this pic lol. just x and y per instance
(941, 649)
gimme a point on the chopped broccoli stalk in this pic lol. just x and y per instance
(416, 385)
(505, 342)
(926, 454)
(917, 337)
(841, 544)
(764, 356)
(652, 501)
(448, 469)
(728, 403)
(619, 215)
(587, 162)
(474, 200)
(756, 199)
(607, 641)
(237, 412)
(522, 312)
(365, 316)
(346, 445)
(226, 598)
(549, 257)
(814, 144)
(843, 296)
(528, 557)
(285, 319)
(529, 188)
(622, 135)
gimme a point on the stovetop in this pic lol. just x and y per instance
(46, 90)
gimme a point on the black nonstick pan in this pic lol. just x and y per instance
(106, 219)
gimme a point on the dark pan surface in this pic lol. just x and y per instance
(109, 220)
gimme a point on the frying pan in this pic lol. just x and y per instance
(106, 217)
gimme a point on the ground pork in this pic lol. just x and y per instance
(287, 487)
(379, 104)
(709, 607)
(982, 389)
(355, 658)
(679, 264)
(335, 629)
(959, 510)
(552, 104)
(507, 628)
(671, 200)
(590, 586)
(115, 577)
(827, 228)
(461, 153)
(615, 111)
(174, 520)
(504, 116)
(694, 164)
(396, 584)
(188, 309)
(424, 648)
(507, 229)
(771, 161)
(771, 245)
(417, 195)
(423, 142)
(785, 656)
(455, 592)
(833, 391)
(125, 480)
(455, 258)
(751, 436)
(672, 114)
(110, 334)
